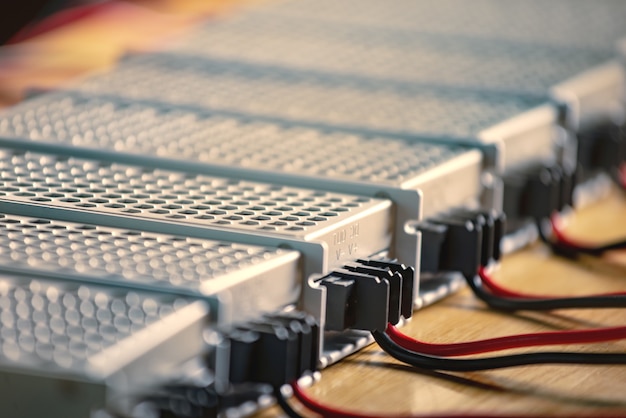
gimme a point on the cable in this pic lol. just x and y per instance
(424, 361)
(332, 412)
(284, 405)
(502, 291)
(543, 304)
(504, 343)
(581, 247)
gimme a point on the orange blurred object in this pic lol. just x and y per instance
(96, 38)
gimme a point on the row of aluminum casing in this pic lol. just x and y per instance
(212, 179)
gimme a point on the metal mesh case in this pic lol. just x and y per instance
(512, 129)
(200, 206)
(73, 345)
(260, 150)
(238, 281)
(574, 75)
(564, 23)
(387, 55)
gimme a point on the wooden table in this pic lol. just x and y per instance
(371, 381)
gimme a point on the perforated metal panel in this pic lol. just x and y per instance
(126, 258)
(62, 331)
(389, 55)
(330, 100)
(313, 158)
(578, 23)
(163, 194)
(218, 139)
(195, 205)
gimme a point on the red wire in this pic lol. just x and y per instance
(504, 343)
(58, 19)
(560, 235)
(332, 412)
(504, 292)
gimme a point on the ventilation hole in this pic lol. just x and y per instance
(176, 216)
(301, 214)
(273, 213)
(290, 218)
(285, 208)
(82, 195)
(295, 228)
(228, 207)
(127, 201)
(340, 209)
(188, 212)
(279, 223)
(245, 213)
(114, 206)
(159, 211)
(130, 210)
(144, 206)
(42, 199)
(306, 223)
(222, 222)
(217, 212)
(86, 205)
(98, 200)
(200, 207)
(234, 218)
(204, 217)
(317, 219)
(249, 222)
(268, 228)
(262, 218)
(25, 194)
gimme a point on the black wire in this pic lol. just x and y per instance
(518, 304)
(569, 251)
(423, 361)
(284, 405)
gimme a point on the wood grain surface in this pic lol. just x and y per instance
(372, 382)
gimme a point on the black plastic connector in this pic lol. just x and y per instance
(395, 286)
(408, 281)
(461, 245)
(340, 302)
(370, 308)
(307, 330)
(487, 223)
(185, 401)
(275, 349)
(601, 149)
(537, 192)
(433, 236)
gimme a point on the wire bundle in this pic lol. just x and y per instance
(503, 299)
(563, 245)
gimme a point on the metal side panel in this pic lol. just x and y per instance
(186, 140)
(70, 346)
(389, 55)
(412, 112)
(238, 281)
(561, 23)
(202, 206)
